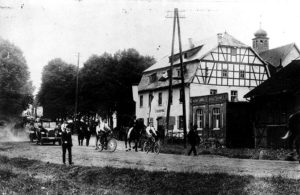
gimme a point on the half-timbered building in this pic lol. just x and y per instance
(217, 70)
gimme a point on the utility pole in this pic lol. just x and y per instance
(170, 75)
(176, 17)
(76, 90)
(182, 82)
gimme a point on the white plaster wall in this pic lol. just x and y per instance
(161, 110)
(200, 90)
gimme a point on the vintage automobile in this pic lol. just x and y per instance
(48, 132)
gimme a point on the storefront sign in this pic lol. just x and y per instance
(209, 99)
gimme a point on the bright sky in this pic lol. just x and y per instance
(45, 29)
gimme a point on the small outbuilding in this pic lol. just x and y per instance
(273, 102)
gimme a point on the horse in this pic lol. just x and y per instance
(293, 133)
(135, 134)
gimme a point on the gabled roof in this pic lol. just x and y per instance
(146, 85)
(273, 56)
(285, 80)
(193, 55)
(204, 46)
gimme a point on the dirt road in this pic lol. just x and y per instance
(88, 156)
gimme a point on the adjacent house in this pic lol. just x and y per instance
(217, 71)
(276, 58)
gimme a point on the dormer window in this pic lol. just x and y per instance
(153, 77)
(185, 55)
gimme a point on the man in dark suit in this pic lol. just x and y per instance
(66, 139)
(194, 139)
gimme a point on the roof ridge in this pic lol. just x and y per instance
(283, 46)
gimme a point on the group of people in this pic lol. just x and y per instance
(102, 130)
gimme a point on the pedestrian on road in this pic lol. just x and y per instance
(80, 131)
(194, 139)
(87, 134)
(66, 139)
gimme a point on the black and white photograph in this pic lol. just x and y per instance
(149, 97)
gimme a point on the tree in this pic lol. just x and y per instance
(129, 71)
(106, 82)
(57, 92)
(15, 87)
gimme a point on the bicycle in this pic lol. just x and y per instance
(111, 144)
(152, 145)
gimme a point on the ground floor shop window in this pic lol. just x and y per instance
(216, 118)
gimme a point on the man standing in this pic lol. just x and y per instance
(193, 138)
(66, 139)
(98, 127)
(87, 133)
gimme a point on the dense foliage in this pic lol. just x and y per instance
(105, 84)
(57, 92)
(15, 87)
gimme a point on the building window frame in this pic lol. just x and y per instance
(150, 99)
(199, 118)
(216, 118)
(180, 122)
(153, 78)
(234, 95)
(242, 74)
(213, 92)
(180, 96)
(160, 98)
(233, 51)
(224, 73)
(141, 100)
(178, 72)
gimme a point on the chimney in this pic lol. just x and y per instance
(191, 44)
(220, 36)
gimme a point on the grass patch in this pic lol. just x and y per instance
(108, 180)
(243, 153)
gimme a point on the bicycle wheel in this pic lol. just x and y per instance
(112, 145)
(146, 147)
(157, 148)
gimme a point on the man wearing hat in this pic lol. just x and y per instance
(66, 139)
